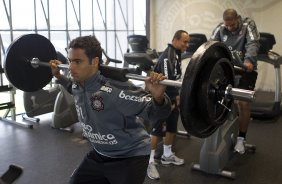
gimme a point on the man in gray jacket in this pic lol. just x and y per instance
(109, 113)
(242, 38)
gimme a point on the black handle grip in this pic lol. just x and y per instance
(118, 74)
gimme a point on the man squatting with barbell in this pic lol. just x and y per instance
(110, 116)
(241, 36)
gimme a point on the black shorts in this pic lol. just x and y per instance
(170, 125)
(246, 80)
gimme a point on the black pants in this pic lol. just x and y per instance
(121, 171)
(170, 125)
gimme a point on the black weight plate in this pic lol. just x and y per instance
(215, 77)
(197, 109)
(17, 67)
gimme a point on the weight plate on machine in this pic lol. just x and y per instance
(17, 65)
(209, 72)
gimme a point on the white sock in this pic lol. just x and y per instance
(167, 150)
(152, 155)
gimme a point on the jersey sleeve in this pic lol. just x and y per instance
(252, 42)
(216, 33)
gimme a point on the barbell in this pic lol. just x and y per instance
(206, 94)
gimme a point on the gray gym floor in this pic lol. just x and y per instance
(50, 155)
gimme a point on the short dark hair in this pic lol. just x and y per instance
(229, 14)
(90, 44)
(177, 34)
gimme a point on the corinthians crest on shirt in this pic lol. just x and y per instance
(97, 103)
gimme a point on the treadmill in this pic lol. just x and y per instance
(140, 55)
(267, 104)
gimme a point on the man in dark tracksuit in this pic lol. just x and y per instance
(242, 38)
(109, 113)
(169, 64)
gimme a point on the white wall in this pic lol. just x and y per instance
(201, 16)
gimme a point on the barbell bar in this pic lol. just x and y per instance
(206, 90)
(35, 63)
(236, 93)
(230, 92)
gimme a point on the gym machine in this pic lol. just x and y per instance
(207, 94)
(218, 148)
(270, 108)
(41, 101)
(140, 56)
(140, 50)
(196, 40)
(38, 103)
(64, 113)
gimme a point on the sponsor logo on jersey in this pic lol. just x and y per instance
(165, 67)
(97, 103)
(106, 89)
(74, 86)
(224, 38)
(133, 98)
(97, 137)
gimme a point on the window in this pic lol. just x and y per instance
(62, 20)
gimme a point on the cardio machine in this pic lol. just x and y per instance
(196, 40)
(41, 101)
(262, 107)
(217, 149)
(267, 105)
(213, 76)
(141, 55)
(38, 103)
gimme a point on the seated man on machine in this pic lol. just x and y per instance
(242, 38)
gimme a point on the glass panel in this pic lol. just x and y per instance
(121, 15)
(73, 15)
(40, 14)
(57, 14)
(139, 14)
(3, 16)
(59, 40)
(110, 14)
(99, 15)
(111, 21)
(22, 14)
(86, 14)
